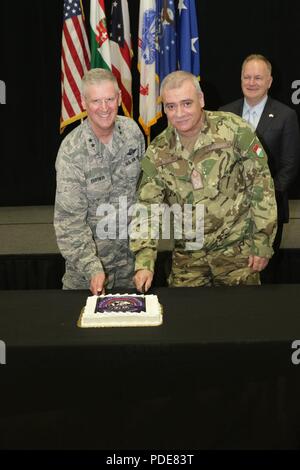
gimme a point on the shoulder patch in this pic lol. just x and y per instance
(258, 150)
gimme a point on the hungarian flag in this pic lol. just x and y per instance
(99, 36)
(121, 51)
(258, 150)
(188, 38)
(150, 107)
(75, 61)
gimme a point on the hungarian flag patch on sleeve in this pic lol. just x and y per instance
(258, 150)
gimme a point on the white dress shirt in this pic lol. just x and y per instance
(252, 114)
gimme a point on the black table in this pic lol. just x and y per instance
(216, 375)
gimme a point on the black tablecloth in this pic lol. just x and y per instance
(217, 373)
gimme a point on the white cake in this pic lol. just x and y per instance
(121, 310)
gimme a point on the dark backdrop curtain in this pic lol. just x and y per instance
(30, 66)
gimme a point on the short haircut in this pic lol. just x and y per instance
(96, 77)
(176, 79)
(258, 57)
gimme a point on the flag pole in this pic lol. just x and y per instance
(81, 6)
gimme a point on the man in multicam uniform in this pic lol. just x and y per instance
(213, 159)
(97, 162)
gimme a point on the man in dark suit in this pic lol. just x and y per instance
(276, 127)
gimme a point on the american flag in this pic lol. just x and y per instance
(121, 51)
(75, 61)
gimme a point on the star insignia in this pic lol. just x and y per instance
(193, 42)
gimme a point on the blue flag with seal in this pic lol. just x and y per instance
(166, 53)
(188, 38)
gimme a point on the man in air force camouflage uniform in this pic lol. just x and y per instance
(97, 163)
(213, 159)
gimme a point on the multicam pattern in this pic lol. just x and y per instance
(89, 174)
(236, 190)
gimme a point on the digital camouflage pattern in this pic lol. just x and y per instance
(236, 189)
(89, 174)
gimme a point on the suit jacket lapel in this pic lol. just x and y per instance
(241, 106)
(266, 118)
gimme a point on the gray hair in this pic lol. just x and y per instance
(176, 79)
(258, 57)
(96, 77)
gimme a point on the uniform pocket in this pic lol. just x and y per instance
(98, 187)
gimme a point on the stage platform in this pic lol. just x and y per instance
(30, 258)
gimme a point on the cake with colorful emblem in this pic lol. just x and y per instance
(121, 310)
